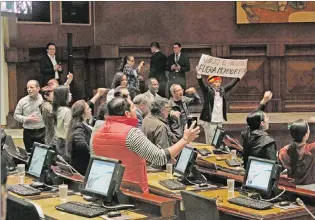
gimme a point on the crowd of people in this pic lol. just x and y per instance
(147, 129)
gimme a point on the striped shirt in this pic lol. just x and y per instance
(137, 142)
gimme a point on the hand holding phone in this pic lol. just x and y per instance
(190, 121)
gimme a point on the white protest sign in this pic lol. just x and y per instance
(215, 66)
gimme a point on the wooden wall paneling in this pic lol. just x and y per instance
(250, 50)
(91, 76)
(274, 85)
(99, 73)
(194, 53)
(299, 89)
(109, 72)
(247, 94)
(283, 84)
(13, 94)
(272, 80)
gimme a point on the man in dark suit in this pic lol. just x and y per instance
(158, 66)
(49, 67)
(177, 64)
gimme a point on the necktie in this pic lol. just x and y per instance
(176, 58)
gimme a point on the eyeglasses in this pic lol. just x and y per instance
(52, 49)
(132, 60)
(179, 90)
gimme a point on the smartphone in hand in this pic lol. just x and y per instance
(190, 120)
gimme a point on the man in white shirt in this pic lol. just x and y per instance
(50, 68)
(28, 113)
(214, 107)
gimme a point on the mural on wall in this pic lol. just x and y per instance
(250, 12)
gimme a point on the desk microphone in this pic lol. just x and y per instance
(301, 203)
(63, 160)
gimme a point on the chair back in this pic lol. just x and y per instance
(199, 207)
(19, 208)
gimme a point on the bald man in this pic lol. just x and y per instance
(28, 113)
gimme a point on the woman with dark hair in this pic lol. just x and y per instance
(78, 137)
(256, 141)
(120, 79)
(299, 157)
(62, 117)
(133, 75)
(46, 111)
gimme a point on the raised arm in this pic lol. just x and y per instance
(202, 85)
(69, 79)
(267, 97)
(142, 146)
(231, 84)
(192, 97)
(98, 95)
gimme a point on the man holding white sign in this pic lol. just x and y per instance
(214, 108)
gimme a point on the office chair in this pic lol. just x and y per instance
(199, 207)
(9, 141)
(18, 208)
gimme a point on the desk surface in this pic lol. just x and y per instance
(48, 207)
(156, 187)
(47, 201)
(243, 212)
(207, 165)
(223, 205)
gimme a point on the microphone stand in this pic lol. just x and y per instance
(63, 160)
(301, 203)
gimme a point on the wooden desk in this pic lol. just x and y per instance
(208, 165)
(233, 211)
(157, 188)
(13, 179)
(48, 207)
(247, 213)
(144, 201)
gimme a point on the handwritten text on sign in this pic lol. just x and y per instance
(209, 65)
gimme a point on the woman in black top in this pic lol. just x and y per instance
(79, 135)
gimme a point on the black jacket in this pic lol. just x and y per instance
(47, 70)
(81, 147)
(208, 95)
(158, 66)
(258, 143)
(178, 77)
(177, 125)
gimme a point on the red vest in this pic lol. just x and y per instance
(110, 141)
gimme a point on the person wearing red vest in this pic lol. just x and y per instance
(120, 139)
